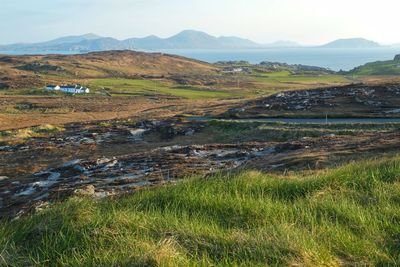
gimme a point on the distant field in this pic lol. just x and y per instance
(239, 86)
(347, 216)
(286, 77)
(150, 87)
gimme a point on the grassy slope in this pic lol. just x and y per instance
(390, 67)
(109, 64)
(344, 216)
(283, 80)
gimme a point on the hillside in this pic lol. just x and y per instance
(31, 71)
(352, 43)
(347, 216)
(389, 67)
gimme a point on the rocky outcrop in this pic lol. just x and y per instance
(40, 67)
(360, 98)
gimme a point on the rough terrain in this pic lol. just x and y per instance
(357, 100)
(114, 158)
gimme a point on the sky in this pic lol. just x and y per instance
(263, 21)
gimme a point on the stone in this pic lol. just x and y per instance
(88, 190)
(103, 161)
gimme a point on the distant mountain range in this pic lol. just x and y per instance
(185, 40)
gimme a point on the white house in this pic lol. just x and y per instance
(72, 89)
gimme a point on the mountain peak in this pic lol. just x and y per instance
(90, 36)
(192, 32)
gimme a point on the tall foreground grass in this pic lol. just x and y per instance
(346, 216)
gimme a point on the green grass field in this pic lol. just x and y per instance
(149, 87)
(346, 216)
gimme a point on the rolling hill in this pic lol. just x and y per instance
(352, 43)
(31, 71)
(53, 44)
(389, 67)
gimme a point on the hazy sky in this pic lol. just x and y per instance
(305, 21)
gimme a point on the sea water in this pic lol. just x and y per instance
(334, 59)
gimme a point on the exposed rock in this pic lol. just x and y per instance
(103, 161)
(89, 190)
(40, 67)
(137, 134)
(351, 98)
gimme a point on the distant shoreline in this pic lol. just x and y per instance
(333, 58)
